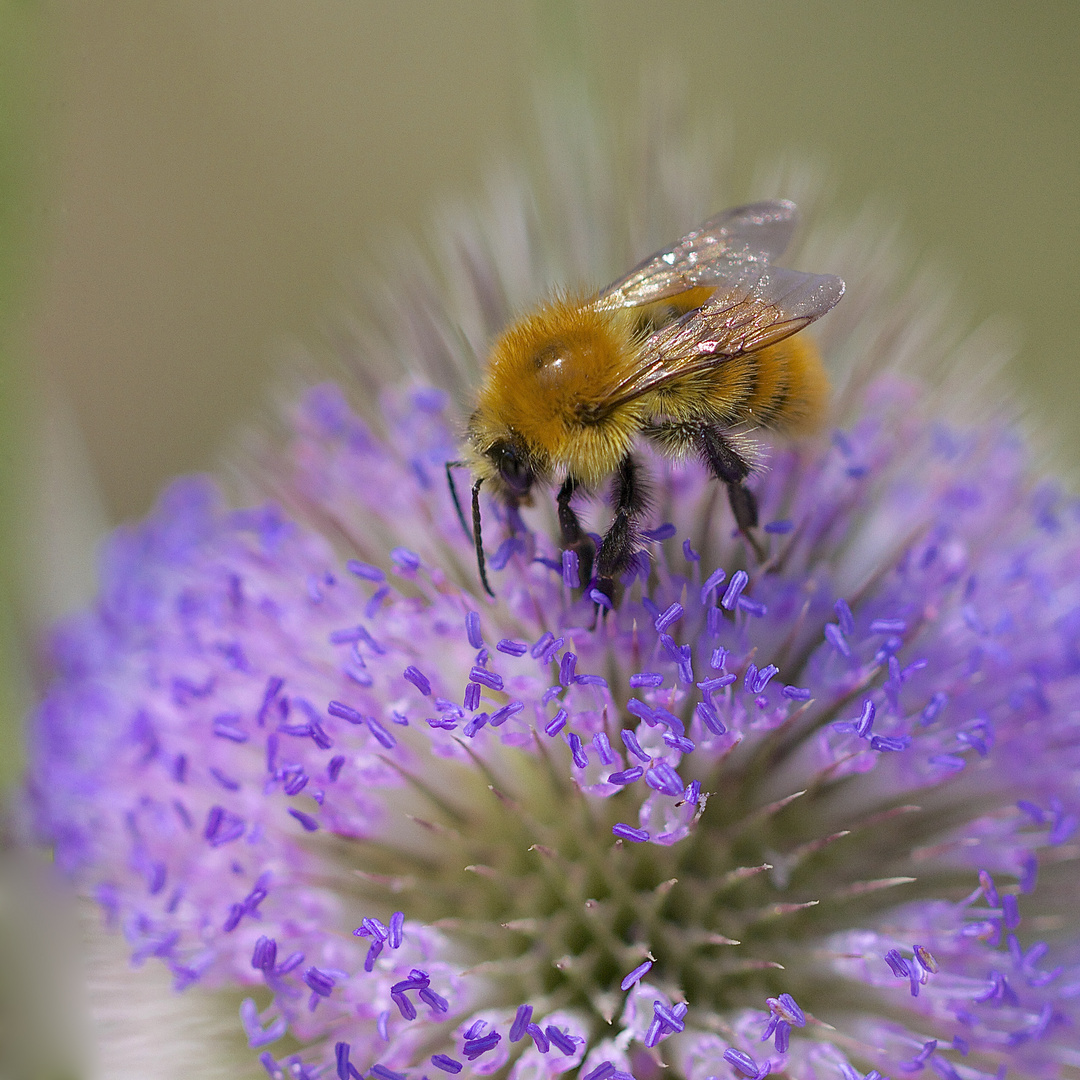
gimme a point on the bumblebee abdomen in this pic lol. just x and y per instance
(783, 387)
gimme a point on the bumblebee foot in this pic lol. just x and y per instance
(611, 590)
(756, 544)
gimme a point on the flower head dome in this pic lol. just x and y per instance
(813, 815)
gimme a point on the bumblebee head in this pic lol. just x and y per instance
(512, 472)
(502, 460)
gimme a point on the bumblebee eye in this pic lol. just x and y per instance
(513, 470)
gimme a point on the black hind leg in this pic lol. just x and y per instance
(630, 496)
(574, 537)
(730, 467)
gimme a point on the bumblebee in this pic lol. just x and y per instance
(690, 350)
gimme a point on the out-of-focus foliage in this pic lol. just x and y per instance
(20, 100)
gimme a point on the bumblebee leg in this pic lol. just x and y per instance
(630, 496)
(728, 466)
(574, 537)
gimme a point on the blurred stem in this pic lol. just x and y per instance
(20, 124)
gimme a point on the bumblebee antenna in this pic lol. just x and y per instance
(453, 494)
(478, 538)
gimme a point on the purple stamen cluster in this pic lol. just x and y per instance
(294, 748)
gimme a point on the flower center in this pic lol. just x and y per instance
(521, 871)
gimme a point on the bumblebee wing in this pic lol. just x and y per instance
(758, 306)
(708, 255)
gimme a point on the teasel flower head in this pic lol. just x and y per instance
(813, 816)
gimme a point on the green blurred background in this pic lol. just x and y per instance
(186, 186)
(191, 184)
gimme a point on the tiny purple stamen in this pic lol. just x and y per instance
(753, 607)
(375, 948)
(376, 928)
(679, 742)
(522, 1019)
(227, 726)
(750, 678)
(672, 615)
(628, 832)
(646, 678)
(1011, 911)
(570, 570)
(897, 964)
(319, 981)
(500, 716)
(667, 1017)
(265, 954)
(713, 581)
(556, 723)
(541, 644)
(788, 1010)
(663, 778)
(926, 959)
(511, 647)
(472, 630)
(405, 1006)
(743, 1062)
(435, 1001)
(560, 1040)
(486, 678)
(636, 975)
(590, 680)
(835, 637)
(566, 668)
(345, 712)
(603, 748)
(474, 1048)
(418, 679)
(381, 1072)
(577, 751)
(661, 532)
(447, 1064)
(394, 936)
(605, 1070)
(739, 580)
(341, 1056)
(306, 820)
(365, 570)
(707, 686)
(406, 561)
(865, 723)
(889, 743)
(538, 1037)
(382, 736)
(630, 741)
(654, 1031)
(472, 696)
(626, 776)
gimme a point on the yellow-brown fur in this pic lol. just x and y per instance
(552, 374)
